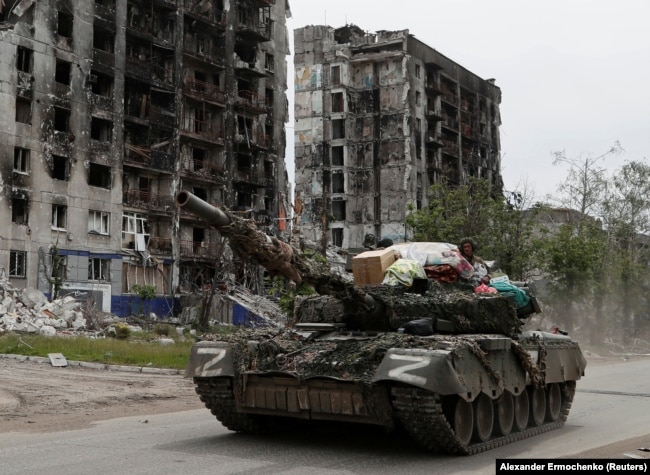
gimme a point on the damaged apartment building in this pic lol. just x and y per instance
(379, 118)
(111, 107)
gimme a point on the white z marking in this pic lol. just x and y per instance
(204, 369)
(402, 374)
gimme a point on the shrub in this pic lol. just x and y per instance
(122, 331)
(162, 329)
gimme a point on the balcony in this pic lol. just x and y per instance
(449, 122)
(204, 91)
(101, 103)
(145, 157)
(147, 200)
(138, 68)
(63, 139)
(200, 50)
(255, 24)
(202, 169)
(450, 148)
(100, 147)
(105, 13)
(433, 115)
(201, 249)
(103, 57)
(251, 102)
(432, 89)
(160, 245)
(205, 11)
(161, 117)
(249, 69)
(467, 130)
(244, 175)
(432, 141)
(163, 74)
(202, 130)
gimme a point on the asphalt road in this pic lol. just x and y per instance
(610, 417)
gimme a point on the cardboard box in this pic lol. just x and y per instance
(369, 267)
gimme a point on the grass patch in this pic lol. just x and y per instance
(134, 351)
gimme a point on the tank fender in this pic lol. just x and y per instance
(562, 362)
(459, 371)
(209, 359)
(428, 369)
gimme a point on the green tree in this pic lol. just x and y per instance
(572, 262)
(496, 222)
(454, 212)
(56, 277)
(511, 232)
(573, 253)
(626, 216)
(585, 183)
(146, 293)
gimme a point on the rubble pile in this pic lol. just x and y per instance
(29, 311)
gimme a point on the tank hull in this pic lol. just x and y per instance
(457, 394)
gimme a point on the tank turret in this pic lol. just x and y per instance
(450, 308)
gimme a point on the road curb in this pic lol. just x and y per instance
(97, 366)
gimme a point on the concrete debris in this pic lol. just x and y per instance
(29, 311)
(57, 360)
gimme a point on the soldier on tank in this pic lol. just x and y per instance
(481, 270)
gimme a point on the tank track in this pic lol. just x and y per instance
(421, 414)
(218, 397)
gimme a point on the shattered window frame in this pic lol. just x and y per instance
(337, 237)
(335, 75)
(24, 59)
(59, 216)
(269, 63)
(19, 211)
(99, 269)
(99, 222)
(18, 264)
(134, 224)
(23, 110)
(21, 160)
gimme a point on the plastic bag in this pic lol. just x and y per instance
(403, 271)
(484, 289)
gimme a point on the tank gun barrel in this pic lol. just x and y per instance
(279, 258)
(248, 242)
(210, 214)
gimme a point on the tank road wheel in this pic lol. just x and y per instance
(521, 410)
(505, 414)
(537, 406)
(463, 421)
(483, 418)
(553, 402)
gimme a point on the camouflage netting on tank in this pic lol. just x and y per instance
(391, 308)
(280, 258)
(349, 357)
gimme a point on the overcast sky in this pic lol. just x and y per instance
(574, 74)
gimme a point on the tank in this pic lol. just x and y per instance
(452, 368)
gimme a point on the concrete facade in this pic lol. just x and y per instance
(379, 118)
(113, 106)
